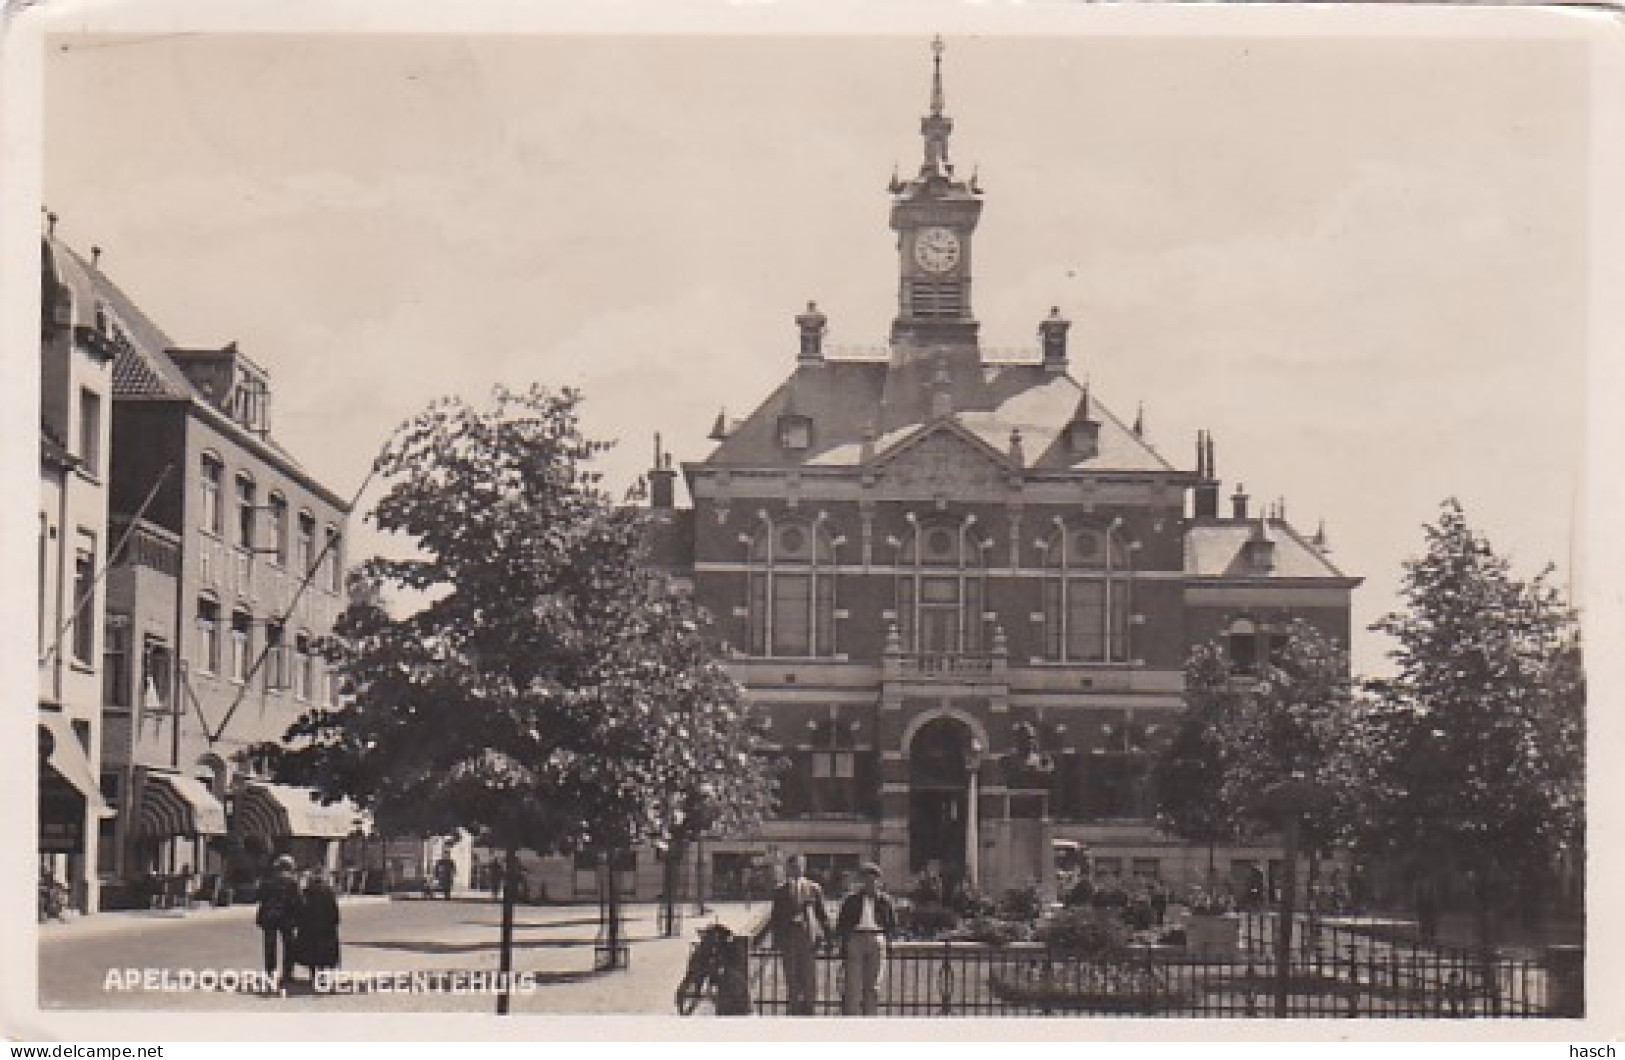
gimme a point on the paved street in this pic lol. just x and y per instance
(554, 942)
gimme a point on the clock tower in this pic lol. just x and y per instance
(934, 216)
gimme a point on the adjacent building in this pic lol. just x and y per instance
(75, 406)
(224, 573)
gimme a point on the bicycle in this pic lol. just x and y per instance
(707, 969)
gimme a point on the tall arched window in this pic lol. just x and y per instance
(792, 590)
(211, 475)
(1087, 587)
(941, 590)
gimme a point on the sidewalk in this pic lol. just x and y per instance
(120, 921)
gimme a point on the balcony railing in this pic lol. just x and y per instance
(147, 546)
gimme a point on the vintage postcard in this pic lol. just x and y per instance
(1024, 521)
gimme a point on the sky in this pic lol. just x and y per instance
(1360, 262)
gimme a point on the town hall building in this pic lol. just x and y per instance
(963, 590)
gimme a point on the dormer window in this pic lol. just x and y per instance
(1083, 438)
(795, 432)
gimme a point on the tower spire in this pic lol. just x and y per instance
(937, 48)
(936, 126)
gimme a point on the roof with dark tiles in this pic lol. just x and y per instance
(846, 402)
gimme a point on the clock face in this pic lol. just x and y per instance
(936, 249)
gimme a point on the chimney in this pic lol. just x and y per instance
(662, 481)
(811, 323)
(1238, 502)
(1207, 484)
(1053, 331)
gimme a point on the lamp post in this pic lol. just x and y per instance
(1289, 799)
(973, 814)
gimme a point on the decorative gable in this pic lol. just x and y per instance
(942, 462)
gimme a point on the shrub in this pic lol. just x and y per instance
(1021, 903)
(1077, 931)
(991, 930)
(927, 920)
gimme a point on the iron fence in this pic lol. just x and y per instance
(1333, 974)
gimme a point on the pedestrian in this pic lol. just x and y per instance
(318, 939)
(865, 926)
(278, 917)
(1159, 901)
(495, 879)
(444, 871)
(797, 902)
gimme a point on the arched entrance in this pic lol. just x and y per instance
(938, 803)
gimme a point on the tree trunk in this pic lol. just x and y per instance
(510, 870)
(612, 929)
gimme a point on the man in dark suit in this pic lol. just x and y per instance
(797, 902)
(866, 925)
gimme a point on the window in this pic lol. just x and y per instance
(792, 591)
(1087, 588)
(833, 767)
(278, 508)
(276, 660)
(90, 431)
(1146, 868)
(302, 666)
(241, 645)
(245, 512)
(116, 662)
(940, 591)
(84, 599)
(155, 676)
(795, 432)
(208, 635)
(307, 543)
(211, 476)
(833, 872)
(335, 569)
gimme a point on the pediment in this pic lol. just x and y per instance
(941, 461)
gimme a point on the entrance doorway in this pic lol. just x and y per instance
(939, 783)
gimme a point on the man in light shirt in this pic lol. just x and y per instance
(866, 924)
(797, 903)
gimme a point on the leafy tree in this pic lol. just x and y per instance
(1188, 775)
(1242, 735)
(1480, 732)
(547, 692)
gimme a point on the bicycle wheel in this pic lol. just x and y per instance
(690, 992)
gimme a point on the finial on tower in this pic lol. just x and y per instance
(936, 127)
(937, 48)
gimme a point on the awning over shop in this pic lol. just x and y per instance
(175, 805)
(68, 758)
(284, 810)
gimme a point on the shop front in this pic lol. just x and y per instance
(178, 833)
(70, 809)
(271, 819)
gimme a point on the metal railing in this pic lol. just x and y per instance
(1335, 977)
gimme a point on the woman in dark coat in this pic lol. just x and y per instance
(319, 925)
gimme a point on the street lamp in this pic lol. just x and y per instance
(973, 839)
(1289, 799)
